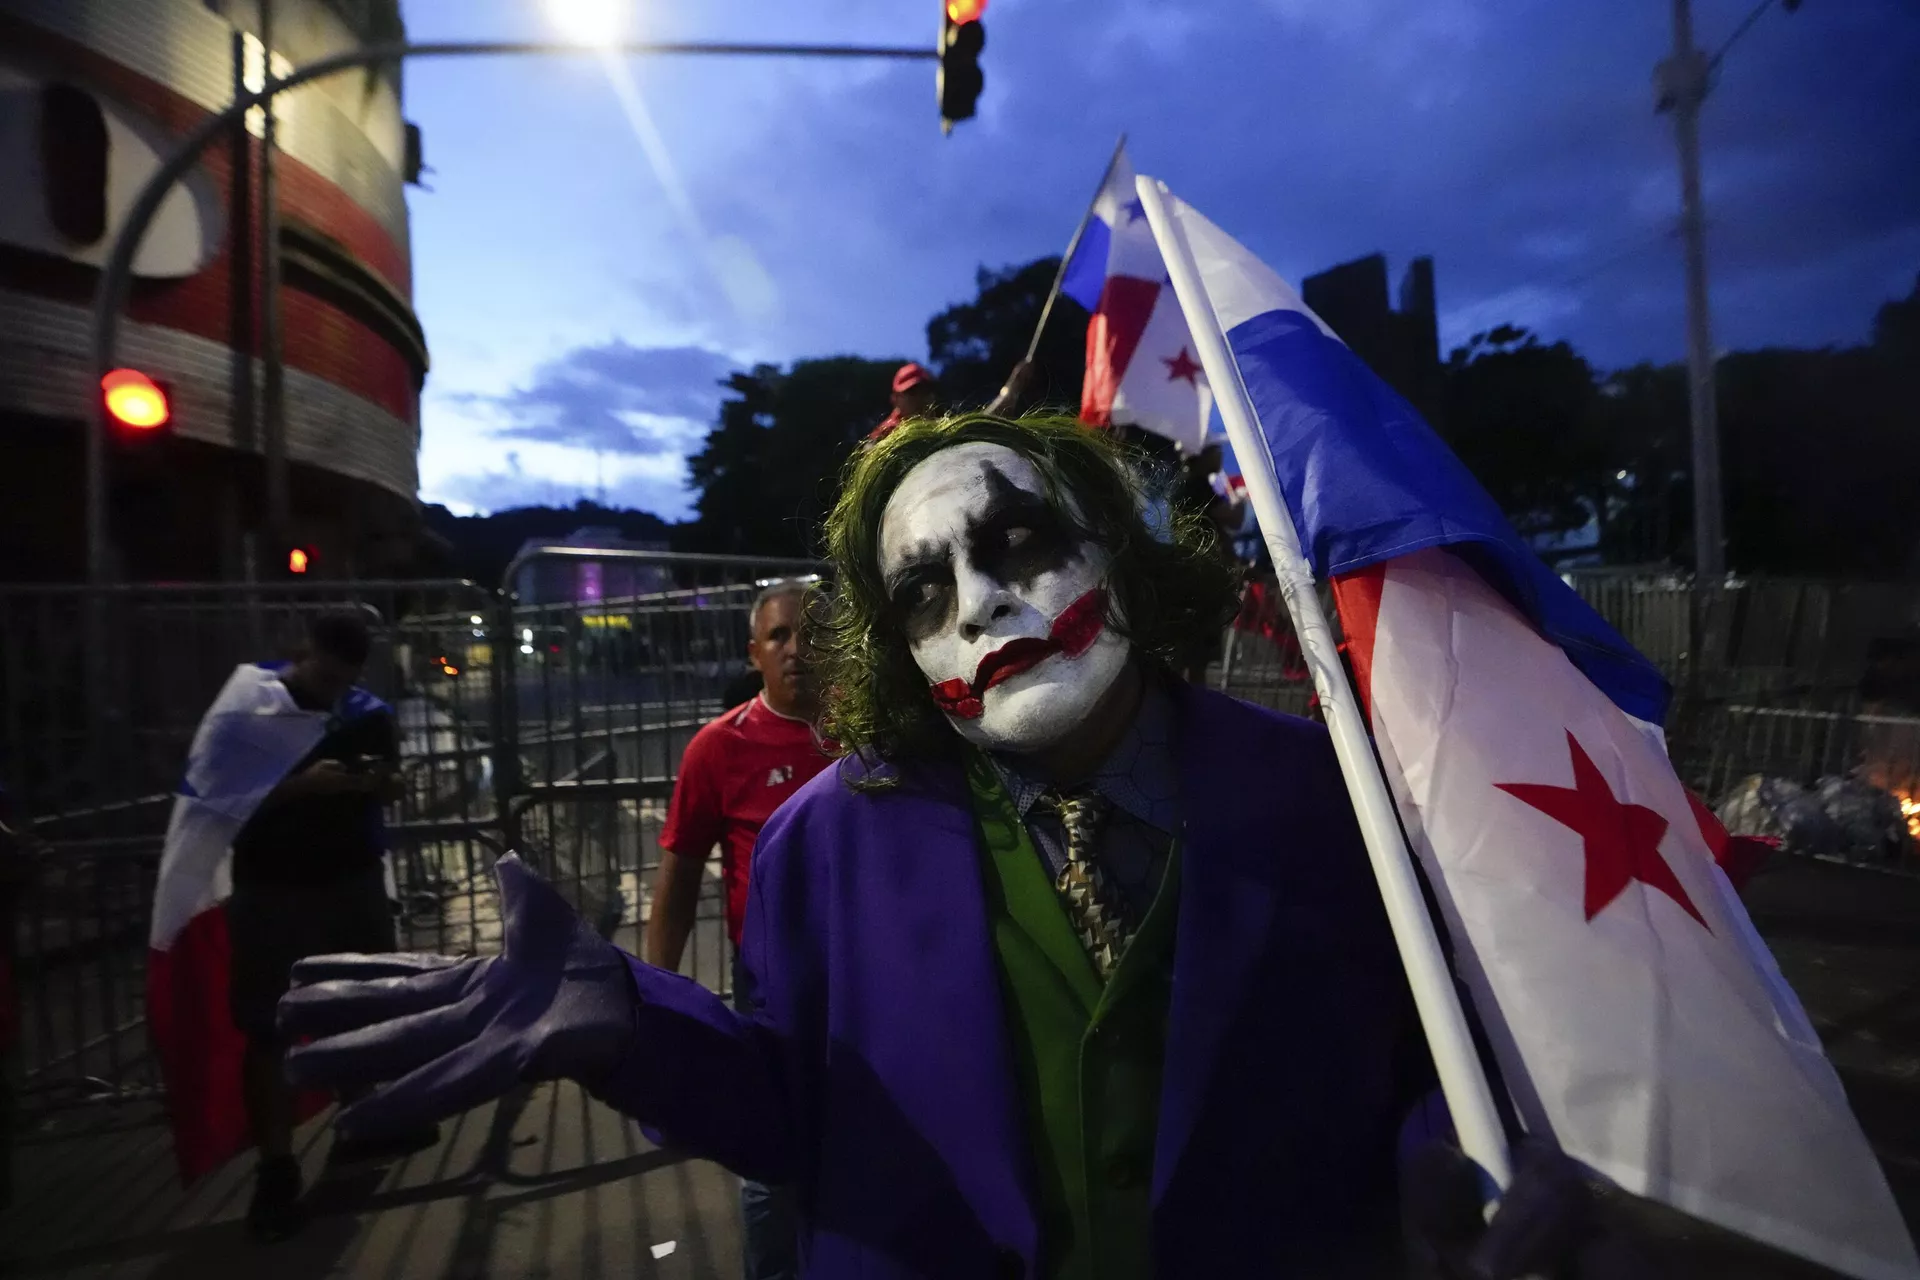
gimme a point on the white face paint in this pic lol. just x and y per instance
(1003, 603)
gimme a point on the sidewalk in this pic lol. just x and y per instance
(552, 1184)
(545, 1184)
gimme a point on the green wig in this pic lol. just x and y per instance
(1166, 594)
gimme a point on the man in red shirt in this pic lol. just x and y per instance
(735, 773)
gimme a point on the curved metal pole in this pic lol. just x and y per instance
(110, 294)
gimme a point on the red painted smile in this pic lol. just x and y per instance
(1072, 633)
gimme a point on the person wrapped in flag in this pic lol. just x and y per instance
(1070, 969)
(275, 851)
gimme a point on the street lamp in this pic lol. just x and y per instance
(116, 272)
(592, 22)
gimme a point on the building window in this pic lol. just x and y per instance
(73, 157)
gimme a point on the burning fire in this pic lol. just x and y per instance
(1910, 810)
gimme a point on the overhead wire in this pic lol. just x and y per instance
(1617, 252)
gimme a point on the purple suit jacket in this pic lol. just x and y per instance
(878, 1076)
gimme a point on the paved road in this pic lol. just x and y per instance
(549, 1184)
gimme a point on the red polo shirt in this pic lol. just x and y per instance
(735, 773)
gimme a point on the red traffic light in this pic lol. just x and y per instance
(960, 80)
(135, 400)
(298, 560)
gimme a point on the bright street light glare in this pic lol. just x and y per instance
(597, 22)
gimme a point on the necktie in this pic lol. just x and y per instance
(1096, 910)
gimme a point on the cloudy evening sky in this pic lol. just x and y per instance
(600, 246)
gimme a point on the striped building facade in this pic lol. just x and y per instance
(138, 74)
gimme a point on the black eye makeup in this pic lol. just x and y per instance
(1019, 536)
(921, 594)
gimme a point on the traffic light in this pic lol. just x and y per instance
(142, 482)
(138, 405)
(961, 40)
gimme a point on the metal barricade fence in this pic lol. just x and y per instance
(552, 726)
(1259, 660)
(1767, 636)
(100, 693)
(613, 660)
(549, 717)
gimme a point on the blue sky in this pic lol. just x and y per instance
(581, 300)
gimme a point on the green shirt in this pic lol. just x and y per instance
(1088, 1058)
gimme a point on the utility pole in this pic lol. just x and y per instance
(1680, 83)
(236, 529)
(273, 383)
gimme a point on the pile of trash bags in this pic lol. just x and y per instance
(1840, 816)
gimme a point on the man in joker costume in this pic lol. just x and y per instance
(1070, 969)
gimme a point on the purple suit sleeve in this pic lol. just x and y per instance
(702, 1078)
(1427, 1123)
(721, 1084)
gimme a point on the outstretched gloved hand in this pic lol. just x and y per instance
(1546, 1224)
(445, 1034)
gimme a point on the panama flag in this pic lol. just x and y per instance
(250, 739)
(1634, 1013)
(1142, 368)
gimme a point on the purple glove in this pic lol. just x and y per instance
(1546, 1224)
(451, 1034)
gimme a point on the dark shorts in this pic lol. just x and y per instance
(273, 926)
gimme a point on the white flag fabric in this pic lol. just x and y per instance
(250, 739)
(1635, 1014)
(246, 743)
(1639, 1017)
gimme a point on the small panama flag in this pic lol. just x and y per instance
(1143, 369)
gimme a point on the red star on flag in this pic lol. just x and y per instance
(1622, 840)
(1181, 367)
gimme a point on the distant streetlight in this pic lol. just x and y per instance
(596, 22)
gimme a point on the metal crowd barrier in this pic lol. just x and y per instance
(550, 723)
(549, 717)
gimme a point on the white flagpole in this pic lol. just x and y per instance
(1462, 1079)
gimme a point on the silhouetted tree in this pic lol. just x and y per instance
(1520, 414)
(1641, 414)
(1896, 329)
(1818, 447)
(771, 465)
(973, 346)
(1821, 471)
(482, 546)
(770, 468)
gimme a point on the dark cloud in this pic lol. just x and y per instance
(615, 398)
(1513, 140)
(1321, 130)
